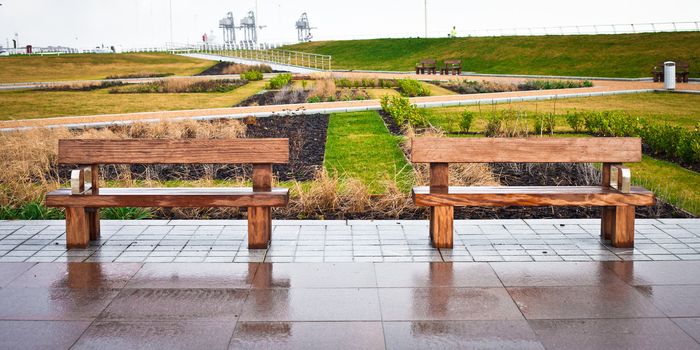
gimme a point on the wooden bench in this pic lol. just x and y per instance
(453, 67)
(85, 197)
(615, 195)
(682, 72)
(428, 66)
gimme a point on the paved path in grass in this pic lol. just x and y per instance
(600, 87)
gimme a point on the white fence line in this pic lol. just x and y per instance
(270, 55)
(590, 29)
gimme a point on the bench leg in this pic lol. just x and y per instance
(623, 233)
(77, 228)
(259, 227)
(93, 217)
(607, 223)
(441, 223)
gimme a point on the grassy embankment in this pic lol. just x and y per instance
(15, 69)
(623, 55)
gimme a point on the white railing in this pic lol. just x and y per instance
(262, 53)
(591, 29)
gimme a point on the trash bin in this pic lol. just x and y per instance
(670, 75)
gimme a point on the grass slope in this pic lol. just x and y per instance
(623, 55)
(44, 104)
(669, 181)
(15, 69)
(358, 145)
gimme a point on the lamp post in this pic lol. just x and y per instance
(171, 21)
(425, 12)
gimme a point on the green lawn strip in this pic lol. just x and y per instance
(673, 183)
(16, 69)
(359, 145)
(30, 104)
(678, 109)
(623, 55)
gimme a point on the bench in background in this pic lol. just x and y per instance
(427, 66)
(615, 195)
(85, 197)
(453, 67)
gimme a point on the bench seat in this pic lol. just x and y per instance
(170, 198)
(488, 196)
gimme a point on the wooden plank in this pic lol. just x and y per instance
(441, 226)
(171, 198)
(532, 196)
(439, 177)
(530, 150)
(77, 234)
(141, 151)
(259, 227)
(93, 214)
(262, 177)
(623, 233)
(607, 215)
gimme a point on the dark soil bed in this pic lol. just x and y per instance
(218, 69)
(275, 97)
(307, 143)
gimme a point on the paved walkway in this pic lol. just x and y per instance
(349, 241)
(600, 87)
(415, 298)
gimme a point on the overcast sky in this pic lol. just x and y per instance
(138, 23)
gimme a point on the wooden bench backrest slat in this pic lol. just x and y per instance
(532, 150)
(149, 151)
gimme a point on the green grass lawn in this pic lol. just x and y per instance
(16, 69)
(679, 109)
(623, 55)
(30, 104)
(673, 183)
(359, 145)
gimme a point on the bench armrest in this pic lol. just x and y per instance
(81, 180)
(620, 178)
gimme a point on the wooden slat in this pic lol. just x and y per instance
(439, 177)
(171, 198)
(532, 196)
(623, 233)
(530, 150)
(142, 151)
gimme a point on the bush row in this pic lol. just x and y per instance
(403, 112)
(661, 138)
(279, 81)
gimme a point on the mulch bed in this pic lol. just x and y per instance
(307, 142)
(218, 69)
(307, 146)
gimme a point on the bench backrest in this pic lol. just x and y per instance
(429, 62)
(526, 150)
(157, 151)
(453, 62)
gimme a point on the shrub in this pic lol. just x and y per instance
(554, 84)
(279, 81)
(412, 88)
(506, 123)
(466, 122)
(323, 88)
(252, 75)
(314, 99)
(575, 121)
(403, 112)
(544, 124)
(180, 85)
(237, 68)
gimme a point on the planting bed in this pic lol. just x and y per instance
(307, 139)
(479, 87)
(224, 68)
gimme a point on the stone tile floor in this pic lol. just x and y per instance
(349, 241)
(350, 285)
(420, 305)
